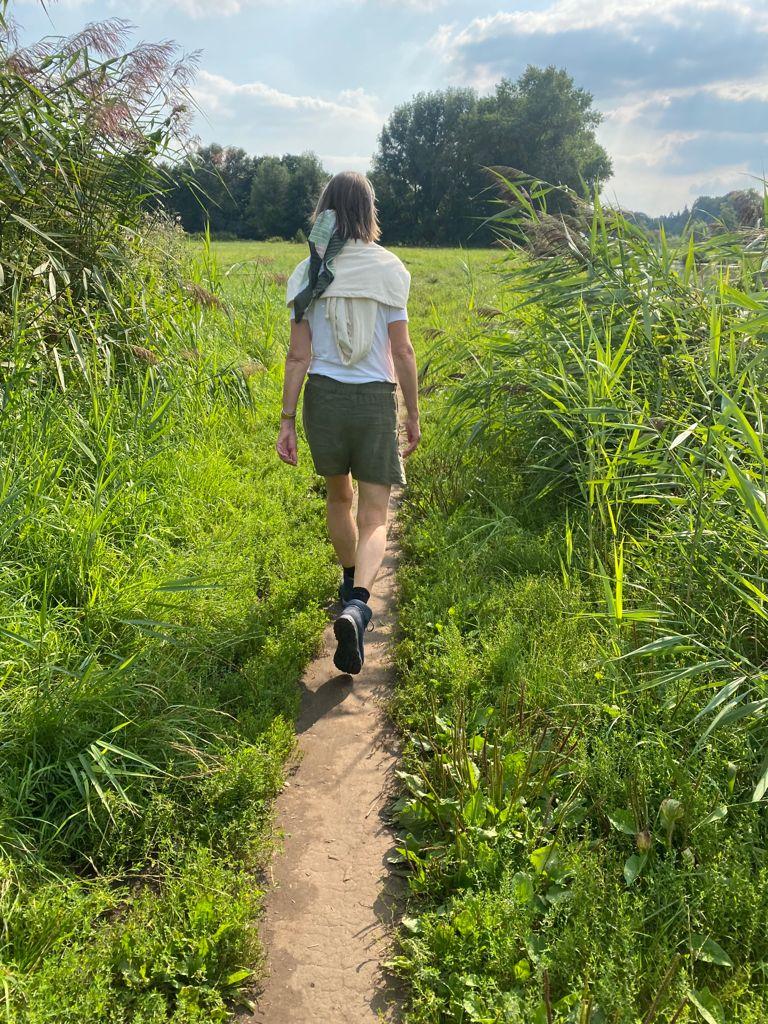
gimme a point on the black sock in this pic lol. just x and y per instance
(361, 594)
(349, 574)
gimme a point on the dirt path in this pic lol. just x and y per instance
(328, 920)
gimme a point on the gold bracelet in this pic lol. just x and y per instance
(287, 415)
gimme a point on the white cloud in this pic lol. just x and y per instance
(193, 8)
(734, 90)
(202, 9)
(265, 120)
(219, 95)
(426, 6)
(624, 17)
(205, 8)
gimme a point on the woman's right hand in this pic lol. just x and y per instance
(287, 447)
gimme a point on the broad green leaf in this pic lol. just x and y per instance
(704, 948)
(522, 887)
(634, 866)
(723, 694)
(238, 976)
(731, 409)
(752, 497)
(673, 642)
(623, 821)
(717, 814)
(709, 1006)
(543, 859)
(683, 436)
(762, 783)
(474, 809)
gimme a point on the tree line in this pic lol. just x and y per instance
(708, 214)
(430, 169)
(242, 196)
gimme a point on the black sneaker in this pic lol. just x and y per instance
(349, 630)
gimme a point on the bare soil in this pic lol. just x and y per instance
(329, 916)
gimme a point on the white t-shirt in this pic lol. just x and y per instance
(377, 365)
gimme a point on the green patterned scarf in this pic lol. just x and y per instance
(324, 245)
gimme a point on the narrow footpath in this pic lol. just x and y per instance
(329, 915)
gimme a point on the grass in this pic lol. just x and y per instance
(161, 579)
(582, 681)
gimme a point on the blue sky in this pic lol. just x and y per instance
(683, 84)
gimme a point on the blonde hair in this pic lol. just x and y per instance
(351, 195)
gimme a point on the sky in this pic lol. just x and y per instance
(682, 84)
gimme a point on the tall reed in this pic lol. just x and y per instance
(637, 372)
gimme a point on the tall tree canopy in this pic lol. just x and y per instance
(284, 191)
(429, 168)
(212, 186)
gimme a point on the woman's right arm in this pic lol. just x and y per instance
(297, 362)
(404, 359)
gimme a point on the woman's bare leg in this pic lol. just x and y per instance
(372, 513)
(341, 525)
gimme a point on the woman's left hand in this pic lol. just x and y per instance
(413, 435)
(286, 446)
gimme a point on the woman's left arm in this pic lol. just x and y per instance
(296, 365)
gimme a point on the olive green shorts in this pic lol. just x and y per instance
(353, 428)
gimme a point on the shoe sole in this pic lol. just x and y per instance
(347, 657)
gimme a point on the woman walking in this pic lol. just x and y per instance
(349, 332)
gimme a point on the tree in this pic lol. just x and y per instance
(213, 186)
(429, 170)
(543, 125)
(269, 195)
(284, 191)
(306, 181)
(249, 197)
(420, 169)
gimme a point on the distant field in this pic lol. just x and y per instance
(442, 280)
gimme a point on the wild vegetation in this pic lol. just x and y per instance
(156, 606)
(584, 593)
(583, 667)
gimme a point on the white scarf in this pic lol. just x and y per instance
(365, 274)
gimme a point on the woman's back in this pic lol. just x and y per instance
(326, 359)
